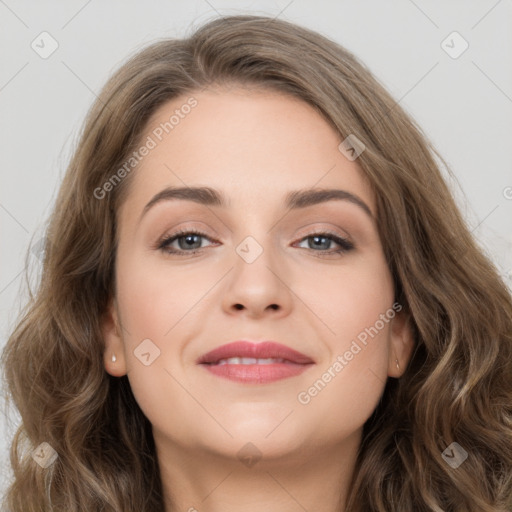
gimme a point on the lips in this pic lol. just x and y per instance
(255, 363)
(248, 350)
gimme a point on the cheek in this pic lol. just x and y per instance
(349, 299)
(166, 306)
(157, 299)
(358, 311)
(349, 384)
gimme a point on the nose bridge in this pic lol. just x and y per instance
(256, 255)
(254, 233)
(257, 281)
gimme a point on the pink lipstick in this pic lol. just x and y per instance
(260, 363)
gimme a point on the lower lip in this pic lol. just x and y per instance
(256, 373)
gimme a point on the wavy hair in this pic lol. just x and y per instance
(456, 388)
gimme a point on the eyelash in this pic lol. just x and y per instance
(163, 244)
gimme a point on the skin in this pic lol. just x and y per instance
(255, 146)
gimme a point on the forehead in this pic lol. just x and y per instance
(255, 145)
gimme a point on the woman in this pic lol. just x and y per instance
(259, 293)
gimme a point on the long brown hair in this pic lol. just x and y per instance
(456, 389)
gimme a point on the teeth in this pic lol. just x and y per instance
(249, 360)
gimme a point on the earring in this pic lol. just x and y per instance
(397, 365)
(114, 359)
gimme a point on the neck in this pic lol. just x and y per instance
(196, 479)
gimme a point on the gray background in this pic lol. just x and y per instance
(463, 104)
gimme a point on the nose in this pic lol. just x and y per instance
(258, 286)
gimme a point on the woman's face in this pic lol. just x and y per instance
(261, 269)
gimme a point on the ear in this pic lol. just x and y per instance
(401, 344)
(111, 332)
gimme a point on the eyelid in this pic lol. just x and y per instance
(304, 231)
(320, 228)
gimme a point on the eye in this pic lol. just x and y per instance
(189, 242)
(188, 237)
(326, 238)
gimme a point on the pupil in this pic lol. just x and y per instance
(317, 238)
(190, 240)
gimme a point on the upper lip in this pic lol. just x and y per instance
(260, 350)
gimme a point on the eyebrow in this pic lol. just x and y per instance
(294, 200)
